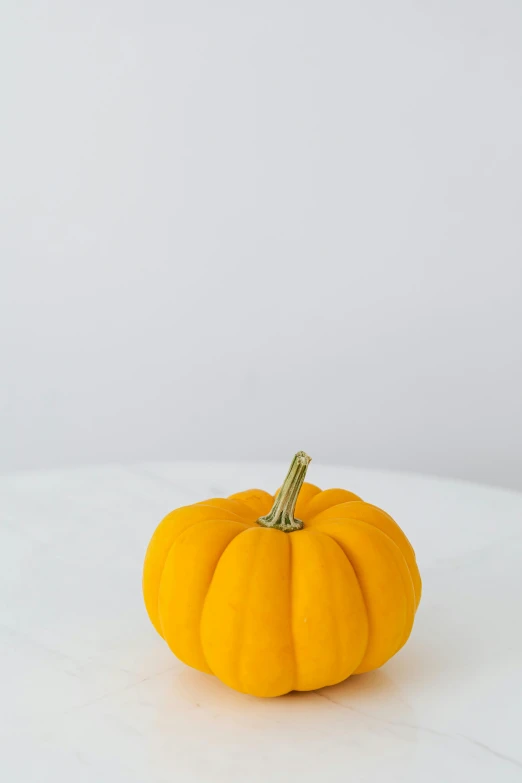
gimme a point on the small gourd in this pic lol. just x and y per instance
(274, 595)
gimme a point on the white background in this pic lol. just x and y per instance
(234, 230)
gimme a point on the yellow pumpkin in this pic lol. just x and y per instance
(292, 593)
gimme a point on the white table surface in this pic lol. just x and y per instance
(89, 692)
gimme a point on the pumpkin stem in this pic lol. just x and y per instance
(281, 517)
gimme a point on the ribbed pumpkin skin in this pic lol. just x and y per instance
(269, 612)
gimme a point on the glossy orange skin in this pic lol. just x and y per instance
(269, 612)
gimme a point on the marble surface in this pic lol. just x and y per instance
(89, 692)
